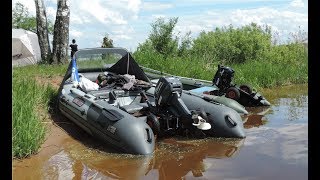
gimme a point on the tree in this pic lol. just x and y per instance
(107, 42)
(299, 37)
(21, 18)
(161, 36)
(42, 30)
(185, 44)
(61, 33)
(233, 45)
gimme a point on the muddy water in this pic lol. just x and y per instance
(276, 147)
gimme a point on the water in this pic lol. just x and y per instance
(276, 147)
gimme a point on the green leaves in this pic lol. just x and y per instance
(161, 36)
(107, 42)
(233, 45)
(21, 19)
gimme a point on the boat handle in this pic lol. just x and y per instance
(198, 83)
(149, 138)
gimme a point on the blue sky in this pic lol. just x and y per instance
(127, 22)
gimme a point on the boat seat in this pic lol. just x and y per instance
(91, 75)
(131, 108)
(99, 93)
(143, 118)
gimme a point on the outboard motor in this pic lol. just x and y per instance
(167, 95)
(168, 92)
(223, 78)
(243, 93)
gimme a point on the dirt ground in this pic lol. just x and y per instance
(55, 81)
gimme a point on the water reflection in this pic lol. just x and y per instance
(276, 147)
(173, 159)
(296, 107)
(256, 117)
(254, 120)
(176, 159)
(59, 166)
(115, 168)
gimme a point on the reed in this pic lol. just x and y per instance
(28, 130)
(277, 68)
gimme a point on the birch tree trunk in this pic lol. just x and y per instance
(42, 31)
(61, 33)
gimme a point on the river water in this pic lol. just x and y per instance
(276, 147)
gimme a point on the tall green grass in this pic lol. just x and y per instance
(181, 66)
(281, 66)
(40, 70)
(28, 130)
(268, 74)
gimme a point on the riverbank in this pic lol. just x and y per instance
(33, 92)
(34, 88)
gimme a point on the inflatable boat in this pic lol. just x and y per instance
(197, 87)
(211, 98)
(119, 104)
(221, 89)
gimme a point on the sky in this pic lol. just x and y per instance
(128, 22)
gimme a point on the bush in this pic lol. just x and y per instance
(249, 50)
(230, 45)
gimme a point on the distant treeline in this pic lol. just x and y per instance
(251, 50)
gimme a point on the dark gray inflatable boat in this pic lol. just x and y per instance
(128, 112)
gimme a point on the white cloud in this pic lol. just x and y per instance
(30, 4)
(156, 6)
(283, 21)
(105, 12)
(100, 13)
(156, 16)
(51, 13)
(121, 37)
(50, 1)
(75, 33)
(277, 18)
(194, 28)
(123, 30)
(134, 5)
(297, 3)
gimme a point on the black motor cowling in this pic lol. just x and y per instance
(168, 100)
(223, 77)
(165, 89)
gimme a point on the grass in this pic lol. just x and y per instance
(266, 73)
(270, 74)
(29, 100)
(40, 70)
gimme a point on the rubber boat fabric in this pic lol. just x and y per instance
(130, 120)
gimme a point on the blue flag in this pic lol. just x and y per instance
(74, 75)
